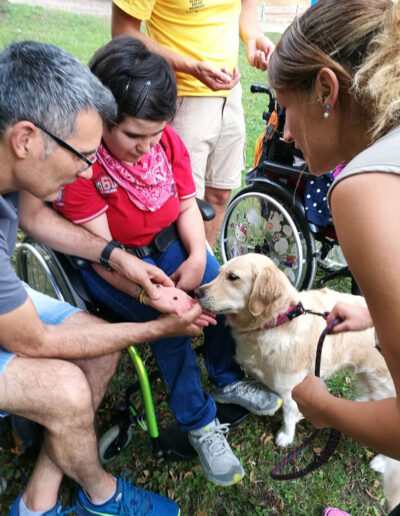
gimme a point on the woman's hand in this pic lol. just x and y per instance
(311, 396)
(189, 274)
(170, 300)
(353, 317)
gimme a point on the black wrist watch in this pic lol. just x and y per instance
(105, 255)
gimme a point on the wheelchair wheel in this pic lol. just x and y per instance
(112, 442)
(259, 219)
(38, 265)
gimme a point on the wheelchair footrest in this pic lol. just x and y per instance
(232, 414)
(175, 444)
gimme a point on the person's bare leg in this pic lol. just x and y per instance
(100, 370)
(218, 198)
(56, 394)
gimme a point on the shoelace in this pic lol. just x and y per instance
(249, 387)
(134, 501)
(216, 437)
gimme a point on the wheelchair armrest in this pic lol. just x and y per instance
(206, 210)
(76, 262)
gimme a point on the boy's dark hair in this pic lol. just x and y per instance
(141, 81)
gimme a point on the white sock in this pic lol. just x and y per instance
(103, 501)
(24, 511)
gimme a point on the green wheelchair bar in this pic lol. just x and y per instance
(150, 414)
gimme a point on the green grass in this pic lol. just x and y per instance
(346, 482)
(80, 35)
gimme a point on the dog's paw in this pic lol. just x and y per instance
(378, 463)
(283, 438)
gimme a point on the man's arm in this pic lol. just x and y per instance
(170, 299)
(208, 74)
(50, 228)
(23, 333)
(259, 47)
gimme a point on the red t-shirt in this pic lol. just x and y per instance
(87, 199)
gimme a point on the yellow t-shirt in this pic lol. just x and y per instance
(205, 30)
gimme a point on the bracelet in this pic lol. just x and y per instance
(139, 294)
(105, 255)
(142, 296)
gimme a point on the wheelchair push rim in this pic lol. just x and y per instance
(258, 220)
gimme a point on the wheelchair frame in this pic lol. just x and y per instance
(268, 215)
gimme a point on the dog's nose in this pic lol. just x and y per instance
(200, 292)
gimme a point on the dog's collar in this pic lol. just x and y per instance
(292, 313)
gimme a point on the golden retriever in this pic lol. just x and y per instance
(253, 293)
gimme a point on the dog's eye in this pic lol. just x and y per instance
(232, 277)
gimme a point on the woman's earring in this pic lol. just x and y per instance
(327, 107)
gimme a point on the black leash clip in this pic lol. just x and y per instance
(295, 312)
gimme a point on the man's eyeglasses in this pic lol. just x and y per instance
(88, 162)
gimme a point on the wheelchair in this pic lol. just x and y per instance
(58, 276)
(269, 215)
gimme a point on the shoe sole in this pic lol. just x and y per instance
(255, 412)
(236, 478)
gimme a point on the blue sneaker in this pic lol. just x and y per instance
(57, 510)
(128, 500)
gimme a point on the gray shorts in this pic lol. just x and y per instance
(50, 311)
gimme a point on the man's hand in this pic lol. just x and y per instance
(140, 272)
(215, 79)
(353, 317)
(259, 51)
(190, 324)
(171, 300)
(311, 396)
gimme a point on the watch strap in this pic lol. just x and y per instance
(105, 255)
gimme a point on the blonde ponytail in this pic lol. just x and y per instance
(357, 39)
(377, 81)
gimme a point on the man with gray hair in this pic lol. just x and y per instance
(56, 361)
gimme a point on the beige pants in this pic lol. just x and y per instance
(213, 130)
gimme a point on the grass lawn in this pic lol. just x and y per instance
(346, 482)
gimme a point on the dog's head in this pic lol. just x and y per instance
(248, 287)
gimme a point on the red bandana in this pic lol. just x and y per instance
(148, 183)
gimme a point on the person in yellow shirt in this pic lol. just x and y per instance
(200, 39)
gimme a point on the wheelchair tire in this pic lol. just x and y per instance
(40, 268)
(259, 219)
(112, 442)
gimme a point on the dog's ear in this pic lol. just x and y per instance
(266, 289)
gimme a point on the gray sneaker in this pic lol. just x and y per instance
(250, 394)
(216, 457)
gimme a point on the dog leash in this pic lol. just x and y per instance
(334, 436)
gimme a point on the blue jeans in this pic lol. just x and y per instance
(175, 357)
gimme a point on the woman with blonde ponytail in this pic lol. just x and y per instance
(336, 72)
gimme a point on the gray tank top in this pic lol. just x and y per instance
(381, 156)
